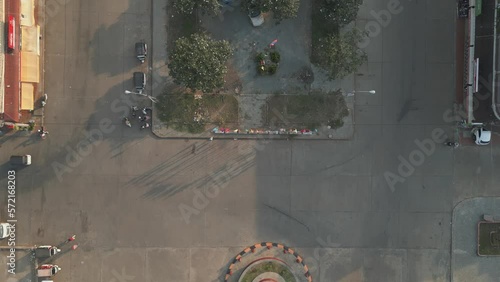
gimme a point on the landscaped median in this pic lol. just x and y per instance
(232, 80)
(317, 115)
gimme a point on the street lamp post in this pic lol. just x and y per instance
(153, 99)
(360, 91)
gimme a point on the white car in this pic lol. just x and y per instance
(481, 136)
(4, 230)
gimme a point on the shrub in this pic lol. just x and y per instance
(272, 69)
(275, 57)
(261, 56)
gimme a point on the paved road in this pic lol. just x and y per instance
(124, 196)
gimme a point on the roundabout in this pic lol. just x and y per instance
(268, 262)
(267, 270)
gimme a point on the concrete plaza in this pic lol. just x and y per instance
(150, 209)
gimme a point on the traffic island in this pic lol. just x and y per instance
(488, 238)
(466, 236)
(270, 262)
(318, 115)
(271, 270)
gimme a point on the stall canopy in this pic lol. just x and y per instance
(27, 94)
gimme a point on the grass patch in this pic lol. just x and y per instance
(268, 266)
(187, 114)
(489, 239)
(309, 111)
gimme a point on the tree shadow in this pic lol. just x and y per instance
(116, 36)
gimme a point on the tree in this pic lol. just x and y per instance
(199, 62)
(340, 12)
(189, 6)
(282, 9)
(339, 54)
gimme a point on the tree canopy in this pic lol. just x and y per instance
(282, 9)
(199, 62)
(340, 12)
(189, 6)
(339, 54)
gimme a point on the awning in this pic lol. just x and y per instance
(30, 67)
(27, 94)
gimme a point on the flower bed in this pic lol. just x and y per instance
(268, 61)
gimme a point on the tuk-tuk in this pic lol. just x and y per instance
(141, 51)
(46, 251)
(139, 81)
(47, 270)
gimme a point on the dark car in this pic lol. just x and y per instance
(23, 160)
(139, 81)
(141, 51)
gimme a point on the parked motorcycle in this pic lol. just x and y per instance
(127, 122)
(134, 110)
(451, 144)
(42, 133)
(44, 99)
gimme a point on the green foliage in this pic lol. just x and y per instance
(275, 57)
(272, 69)
(190, 6)
(31, 125)
(339, 54)
(199, 62)
(282, 9)
(261, 56)
(183, 112)
(339, 12)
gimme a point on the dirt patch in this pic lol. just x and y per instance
(252, 110)
(233, 82)
(305, 75)
(311, 111)
(192, 113)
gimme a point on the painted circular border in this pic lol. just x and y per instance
(268, 245)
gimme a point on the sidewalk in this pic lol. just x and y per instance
(466, 265)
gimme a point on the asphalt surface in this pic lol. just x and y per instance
(148, 209)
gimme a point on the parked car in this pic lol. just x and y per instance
(4, 230)
(141, 51)
(139, 81)
(481, 136)
(22, 160)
